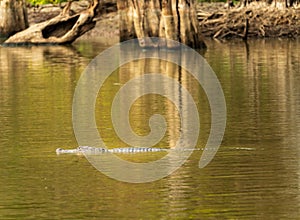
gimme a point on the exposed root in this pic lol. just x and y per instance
(62, 29)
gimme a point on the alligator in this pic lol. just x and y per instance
(99, 150)
(126, 150)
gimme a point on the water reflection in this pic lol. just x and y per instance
(170, 107)
(89, 84)
(263, 114)
(269, 74)
(255, 174)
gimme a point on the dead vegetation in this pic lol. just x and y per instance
(254, 20)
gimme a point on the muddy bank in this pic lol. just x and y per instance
(254, 21)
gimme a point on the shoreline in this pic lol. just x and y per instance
(215, 21)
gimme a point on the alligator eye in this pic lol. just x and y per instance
(58, 150)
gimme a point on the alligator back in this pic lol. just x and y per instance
(96, 150)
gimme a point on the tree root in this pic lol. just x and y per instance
(62, 29)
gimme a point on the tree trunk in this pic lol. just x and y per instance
(125, 21)
(13, 17)
(170, 19)
(62, 29)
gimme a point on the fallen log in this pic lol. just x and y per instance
(62, 29)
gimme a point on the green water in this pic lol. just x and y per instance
(254, 175)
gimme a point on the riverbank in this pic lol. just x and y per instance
(254, 21)
(107, 25)
(257, 20)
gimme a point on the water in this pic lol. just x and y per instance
(254, 175)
